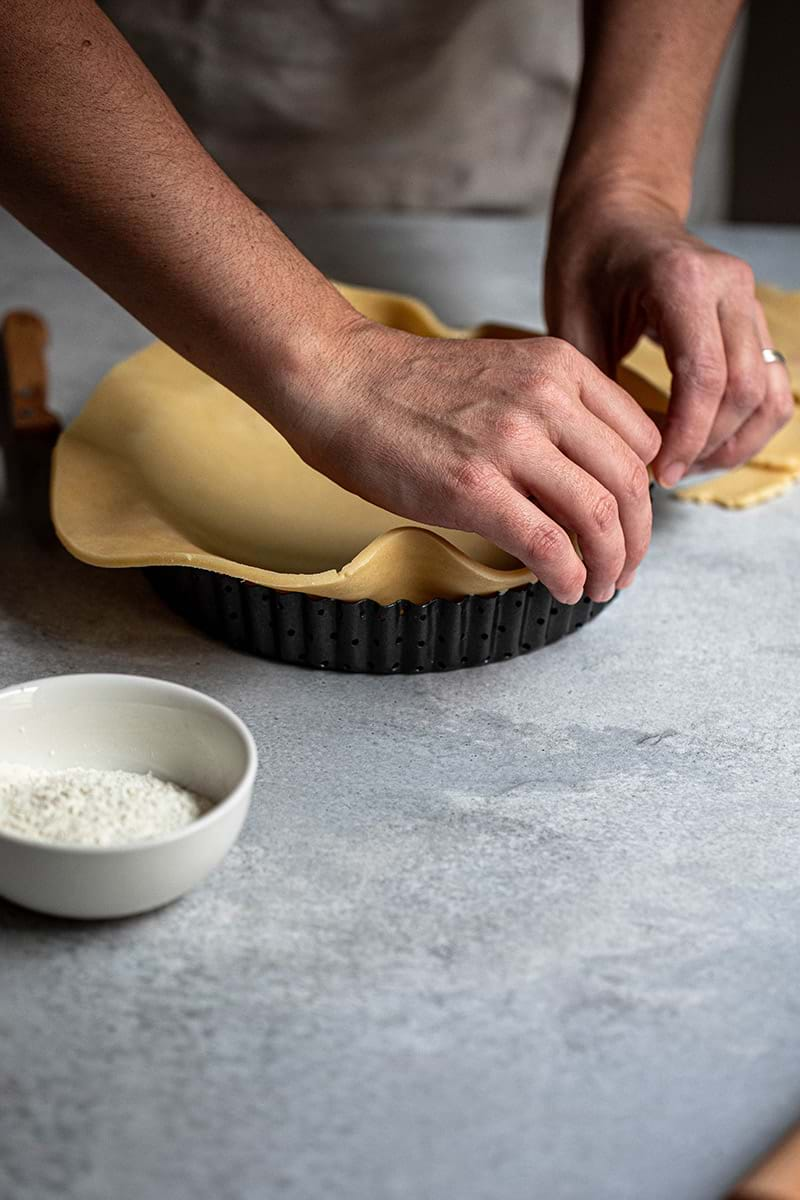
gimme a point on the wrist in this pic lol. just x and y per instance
(297, 381)
(275, 327)
(614, 191)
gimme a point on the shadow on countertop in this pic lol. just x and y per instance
(59, 616)
(49, 594)
(27, 925)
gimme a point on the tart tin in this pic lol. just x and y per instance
(364, 636)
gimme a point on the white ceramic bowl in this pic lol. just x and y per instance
(126, 723)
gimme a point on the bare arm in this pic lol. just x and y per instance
(648, 73)
(97, 162)
(620, 258)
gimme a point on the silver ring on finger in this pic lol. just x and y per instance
(771, 355)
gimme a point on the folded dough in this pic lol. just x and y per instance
(164, 466)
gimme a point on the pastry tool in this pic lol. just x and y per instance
(28, 430)
(777, 1176)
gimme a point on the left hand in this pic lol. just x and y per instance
(619, 267)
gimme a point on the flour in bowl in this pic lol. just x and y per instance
(81, 806)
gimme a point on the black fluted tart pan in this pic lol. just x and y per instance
(364, 636)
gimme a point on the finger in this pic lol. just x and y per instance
(578, 502)
(746, 383)
(752, 437)
(695, 353)
(607, 458)
(775, 411)
(506, 517)
(612, 405)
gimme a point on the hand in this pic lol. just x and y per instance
(460, 434)
(619, 266)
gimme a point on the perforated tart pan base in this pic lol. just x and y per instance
(378, 639)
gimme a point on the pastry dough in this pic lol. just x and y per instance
(742, 488)
(164, 466)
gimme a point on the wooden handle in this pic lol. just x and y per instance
(777, 1177)
(24, 337)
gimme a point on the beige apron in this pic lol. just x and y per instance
(424, 104)
(421, 104)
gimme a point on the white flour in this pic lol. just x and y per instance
(86, 807)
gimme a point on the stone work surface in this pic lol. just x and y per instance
(529, 930)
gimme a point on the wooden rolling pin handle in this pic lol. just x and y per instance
(777, 1177)
(24, 337)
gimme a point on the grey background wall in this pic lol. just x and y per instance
(765, 175)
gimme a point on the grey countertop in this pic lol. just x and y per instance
(530, 930)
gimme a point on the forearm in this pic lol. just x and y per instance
(648, 73)
(96, 161)
(620, 259)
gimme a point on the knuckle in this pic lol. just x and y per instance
(729, 454)
(535, 381)
(547, 543)
(575, 580)
(614, 564)
(682, 267)
(471, 478)
(701, 373)
(638, 547)
(604, 513)
(546, 409)
(742, 274)
(560, 352)
(783, 406)
(652, 443)
(568, 579)
(742, 392)
(511, 425)
(637, 484)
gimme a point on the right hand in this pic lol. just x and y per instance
(460, 434)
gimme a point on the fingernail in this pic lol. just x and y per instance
(671, 474)
(602, 597)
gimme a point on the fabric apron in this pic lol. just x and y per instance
(423, 104)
